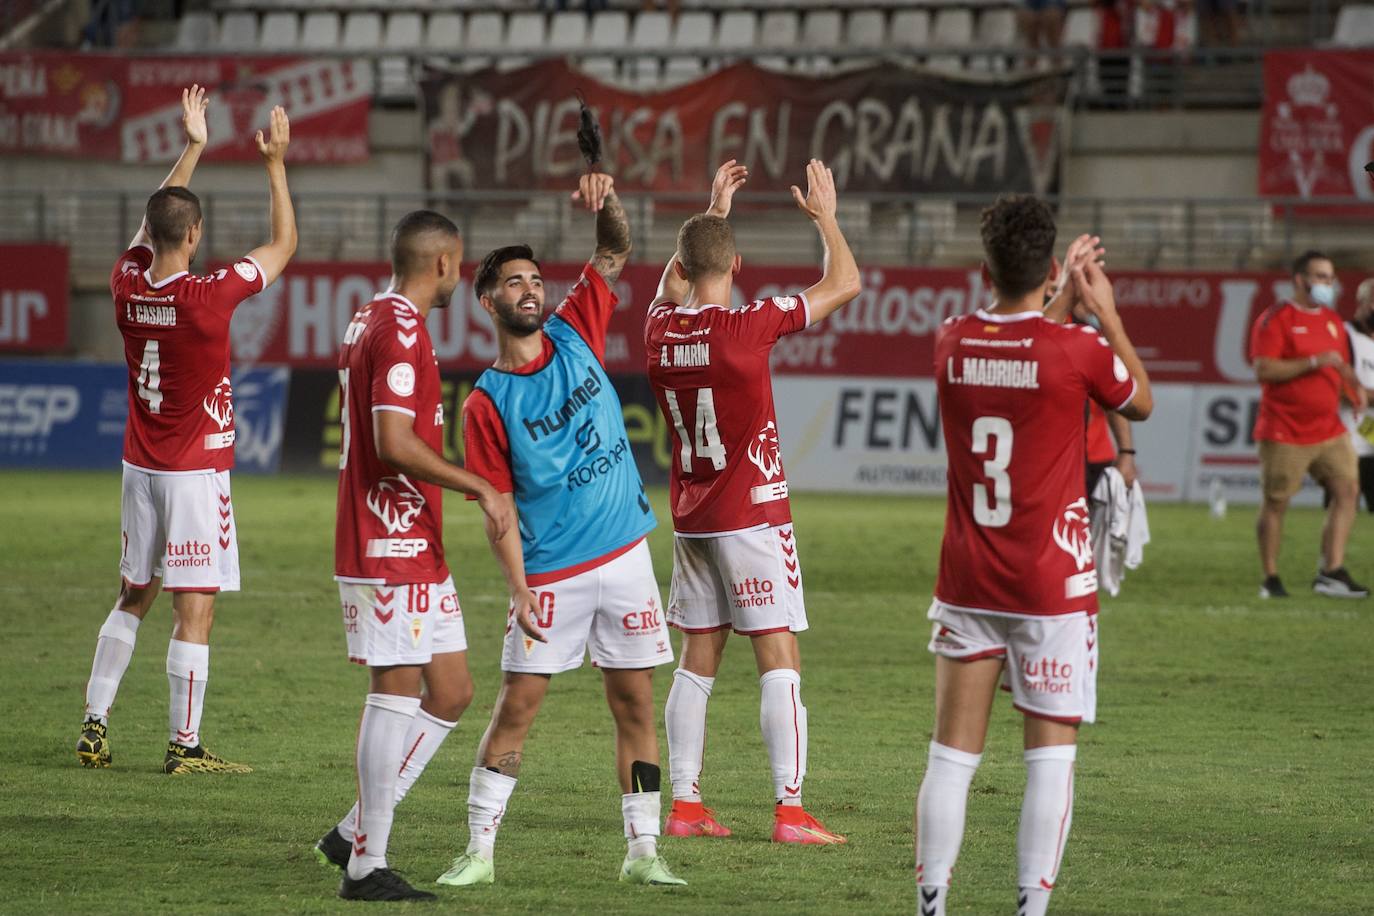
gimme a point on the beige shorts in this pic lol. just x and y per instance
(1283, 465)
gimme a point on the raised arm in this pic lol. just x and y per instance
(272, 258)
(597, 192)
(193, 105)
(1097, 299)
(839, 281)
(730, 177)
(401, 447)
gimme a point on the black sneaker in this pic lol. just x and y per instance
(333, 849)
(1271, 587)
(93, 747)
(1336, 583)
(381, 884)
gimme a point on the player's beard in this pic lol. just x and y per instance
(517, 322)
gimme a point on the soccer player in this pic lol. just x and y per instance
(735, 563)
(401, 616)
(1016, 597)
(1302, 361)
(544, 426)
(176, 515)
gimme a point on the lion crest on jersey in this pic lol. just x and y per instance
(765, 452)
(220, 404)
(1072, 534)
(396, 502)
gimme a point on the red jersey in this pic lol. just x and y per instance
(1304, 410)
(176, 345)
(709, 371)
(389, 529)
(1012, 389)
(1100, 448)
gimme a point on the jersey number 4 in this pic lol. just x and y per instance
(150, 377)
(705, 438)
(992, 505)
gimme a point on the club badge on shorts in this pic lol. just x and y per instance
(417, 629)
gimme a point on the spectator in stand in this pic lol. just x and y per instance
(1042, 23)
(1154, 29)
(1300, 349)
(1219, 23)
(1113, 29)
(1361, 331)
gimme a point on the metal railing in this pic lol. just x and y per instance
(884, 229)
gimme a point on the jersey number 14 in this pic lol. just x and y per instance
(705, 438)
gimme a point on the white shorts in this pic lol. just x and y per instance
(1050, 662)
(748, 580)
(180, 528)
(389, 625)
(611, 612)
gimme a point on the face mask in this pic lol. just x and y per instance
(1323, 294)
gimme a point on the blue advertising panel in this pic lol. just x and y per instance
(71, 415)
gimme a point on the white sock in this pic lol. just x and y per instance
(1046, 813)
(782, 718)
(641, 811)
(488, 793)
(381, 737)
(425, 735)
(940, 809)
(685, 718)
(188, 669)
(113, 649)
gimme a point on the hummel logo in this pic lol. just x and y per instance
(791, 791)
(407, 340)
(384, 618)
(406, 323)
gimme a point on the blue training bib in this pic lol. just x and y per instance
(576, 484)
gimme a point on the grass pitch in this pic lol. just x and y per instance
(1228, 772)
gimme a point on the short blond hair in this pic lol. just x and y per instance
(706, 246)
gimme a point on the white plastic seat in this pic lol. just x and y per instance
(678, 70)
(952, 28)
(568, 31)
(910, 28)
(1354, 26)
(320, 31)
(651, 30)
(695, 30)
(403, 31)
(738, 30)
(600, 68)
(866, 29)
(238, 31)
(610, 31)
(526, 31)
(486, 32)
(362, 32)
(280, 31)
(821, 29)
(778, 29)
(444, 32)
(196, 32)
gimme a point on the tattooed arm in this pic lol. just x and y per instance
(597, 192)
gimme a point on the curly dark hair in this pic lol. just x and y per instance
(489, 271)
(1018, 240)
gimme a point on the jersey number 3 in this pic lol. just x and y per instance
(992, 506)
(705, 438)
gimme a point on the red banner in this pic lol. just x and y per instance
(99, 106)
(1317, 131)
(1189, 327)
(33, 297)
(880, 128)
